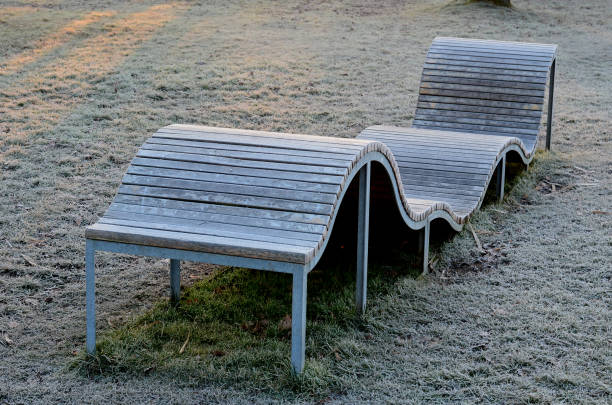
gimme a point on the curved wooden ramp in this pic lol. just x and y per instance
(269, 201)
(487, 87)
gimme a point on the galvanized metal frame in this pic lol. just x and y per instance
(363, 230)
(551, 93)
(298, 271)
(501, 178)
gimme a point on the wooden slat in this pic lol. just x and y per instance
(228, 199)
(502, 112)
(288, 225)
(490, 52)
(230, 189)
(495, 70)
(496, 59)
(253, 156)
(234, 179)
(214, 228)
(481, 102)
(187, 157)
(202, 243)
(481, 95)
(428, 162)
(450, 190)
(474, 127)
(479, 81)
(307, 142)
(235, 210)
(272, 174)
(477, 88)
(253, 148)
(502, 118)
(445, 198)
(506, 78)
(524, 138)
(544, 49)
(494, 65)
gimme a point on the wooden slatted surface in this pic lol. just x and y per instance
(443, 169)
(273, 196)
(485, 87)
(246, 193)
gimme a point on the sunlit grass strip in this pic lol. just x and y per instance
(40, 100)
(52, 41)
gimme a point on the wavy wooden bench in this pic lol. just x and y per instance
(269, 201)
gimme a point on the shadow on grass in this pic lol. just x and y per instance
(234, 327)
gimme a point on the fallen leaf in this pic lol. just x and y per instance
(185, 344)
(285, 323)
(29, 260)
(499, 311)
(218, 353)
(7, 340)
(337, 355)
(583, 170)
(599, 212)
(475, 237)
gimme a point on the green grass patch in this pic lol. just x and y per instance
(234, 327)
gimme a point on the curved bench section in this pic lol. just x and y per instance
(486, 87)
(443, 169)
(254, 194)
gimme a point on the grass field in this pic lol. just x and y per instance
(84, 83)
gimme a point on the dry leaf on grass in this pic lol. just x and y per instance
(285, 323)
(475, 238)
(29, 260)
(185, 344)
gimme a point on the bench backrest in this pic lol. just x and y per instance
(482, 86)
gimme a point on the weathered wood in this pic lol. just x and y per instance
(227, 199)
(228, 188)
(240, 162)
(208, 208)
(200, 243)
(504, 82)
(202, 144)
(239, 171)
(233, 179)
(214, 228)
(218, 218)
(255, 155)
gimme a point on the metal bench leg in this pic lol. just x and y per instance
(424, 246)
(90, 280)
(298, 321)
(551, 93)
(175, 280)
(501, 178)
(363, 229)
